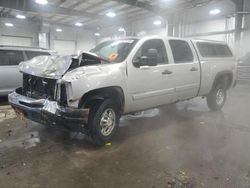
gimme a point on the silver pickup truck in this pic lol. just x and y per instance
(90, 93)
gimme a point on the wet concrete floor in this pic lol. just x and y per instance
(182, 145)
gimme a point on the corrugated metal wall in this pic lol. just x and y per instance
(244, 73)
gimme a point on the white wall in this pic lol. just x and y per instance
(20, 29)
(146, 27)
(212, 30)
(84, 39)
(244, 44)
(198, 23)
(139, 27)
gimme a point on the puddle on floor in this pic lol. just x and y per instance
(26, 141)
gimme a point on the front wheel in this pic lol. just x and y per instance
(217, 97)
(103, 122)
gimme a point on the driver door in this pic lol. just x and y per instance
(151, 86)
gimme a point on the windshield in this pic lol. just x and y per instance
(114, 50)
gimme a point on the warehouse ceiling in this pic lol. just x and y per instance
(92, 13)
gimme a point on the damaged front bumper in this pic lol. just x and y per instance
(49, 112)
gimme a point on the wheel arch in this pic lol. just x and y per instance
(97, 95)
(224, 77)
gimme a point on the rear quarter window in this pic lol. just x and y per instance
(32, 54)
(207, 49)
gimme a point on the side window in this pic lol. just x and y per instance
(181, 51)
(10, 57)
(32, 54)
(207, 49)
(157, 44)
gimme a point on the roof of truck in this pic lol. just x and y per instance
(176, 38)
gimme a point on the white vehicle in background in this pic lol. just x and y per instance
(118, 77)
(10, 57)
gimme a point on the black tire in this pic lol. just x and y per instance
(96, 131)
(213, 101)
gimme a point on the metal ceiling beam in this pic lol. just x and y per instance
(154, 9)
(31, 6)
(70, 7)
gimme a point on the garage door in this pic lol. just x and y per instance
(15, 41)
(65, 47)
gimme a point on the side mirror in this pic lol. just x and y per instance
(149, 59)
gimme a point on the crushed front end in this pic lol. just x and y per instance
(43, 98)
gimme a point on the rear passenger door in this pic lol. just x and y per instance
(186, 71)
(10, 77)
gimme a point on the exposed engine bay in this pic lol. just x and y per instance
(41, 75)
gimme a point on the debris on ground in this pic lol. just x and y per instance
(108, 144)
(202, 184)
(216, 177)
(35, 185)
(181, 180)
(32, 141)
(6, 113)
(2, 115)
(3, 166)
(0, 140)
(10, 132)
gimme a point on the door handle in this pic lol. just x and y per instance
(193, 69)
(166, 72)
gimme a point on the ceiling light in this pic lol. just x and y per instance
(58, 30)
(97, 34)
(121, 29)
(78, 24)
(41, 2)
(215, 11)
(111, 14)
(9, 24)
(19, 16)
(157, 22)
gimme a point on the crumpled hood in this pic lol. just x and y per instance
(46, 66)
(83, 72)
(88, 72)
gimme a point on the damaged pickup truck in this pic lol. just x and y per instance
(90, 93)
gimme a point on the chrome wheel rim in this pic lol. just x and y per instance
(107, 122)
(220, 97)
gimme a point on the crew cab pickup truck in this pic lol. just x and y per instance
(89, 93)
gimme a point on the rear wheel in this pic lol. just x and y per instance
(217, 97)
(103, 121)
